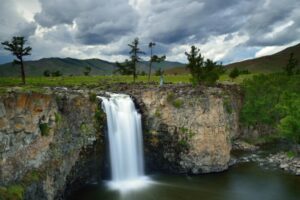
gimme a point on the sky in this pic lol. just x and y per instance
(224, 30)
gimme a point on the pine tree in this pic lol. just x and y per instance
(129, 66)
(134, 56)
(202, 71)
(16, 47)
(291, 65)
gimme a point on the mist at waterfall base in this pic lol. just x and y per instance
(125, 142)
(245, 181)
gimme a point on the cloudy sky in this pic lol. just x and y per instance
(224, 30)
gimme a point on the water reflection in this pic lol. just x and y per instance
(243, 182)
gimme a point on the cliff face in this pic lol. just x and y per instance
(51, 143)
(41, 137)
(189, 130)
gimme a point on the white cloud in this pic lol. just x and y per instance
(226, 30)
(273, 49)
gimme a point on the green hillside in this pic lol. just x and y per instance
(71, 66)
(268, 64)
(68, 66)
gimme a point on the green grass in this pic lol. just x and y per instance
(291, 154)
(86, 80)
(177, 103)
(35, 84)
(238, 80)
(13, 192)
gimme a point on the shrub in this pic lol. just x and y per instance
(92, 97)
(44, 129)
(177, 103)
(227, 105)
(273, 100)
(58, 118)
(291, 154)
(203, 71)
(13, 192)
(170, 97)
(234, 73)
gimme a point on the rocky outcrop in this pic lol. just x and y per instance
(188, 130)
(289, 163)
(41, 139)
(53, 142)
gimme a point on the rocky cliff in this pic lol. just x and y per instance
(54, 141)
(41, 138)
(189, 130)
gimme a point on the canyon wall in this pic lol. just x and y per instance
(54, 141)
(189, 130)
(41, 138)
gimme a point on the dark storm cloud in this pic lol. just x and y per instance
(97, 22)
(265, 19)
(106, 27)
(12, 23)
(170, 21)
(178, 21)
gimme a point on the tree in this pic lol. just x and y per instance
(17, 48)
(291, 65)
(159, 72)
(153, 58)
(124, 68)
(129, 66)
(234, 73)
(151, 45)
(202, 71)
(47, 73)
(87, 71)
(56, 73)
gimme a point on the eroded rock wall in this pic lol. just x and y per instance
(189, 130)
(41, 139)
(53, 142)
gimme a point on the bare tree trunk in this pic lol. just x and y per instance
(150, 65)
(134, 72)
(22, 71)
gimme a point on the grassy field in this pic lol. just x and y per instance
(91, 80)
(87, 80)
(36, 83)
(225, 78)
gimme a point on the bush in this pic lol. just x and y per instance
(177, 103)
(56, 73)
(93, 97)
(234, 73)
(273, 100)
(170, 97)
(203, 71)
(13, 192)
(47, 73)
(44, 129)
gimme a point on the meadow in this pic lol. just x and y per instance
(69, 81)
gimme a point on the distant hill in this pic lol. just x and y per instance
(71, 66)
(177, 70)
(271, 63)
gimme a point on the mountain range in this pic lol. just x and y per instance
(72, 66)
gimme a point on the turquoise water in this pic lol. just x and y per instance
(243, 182)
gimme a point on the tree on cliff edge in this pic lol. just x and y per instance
(17, 48)
(154, 58)
(129, 66)
(203, 71)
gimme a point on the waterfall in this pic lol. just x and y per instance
(125, 141)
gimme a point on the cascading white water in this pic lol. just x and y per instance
(125, 141)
